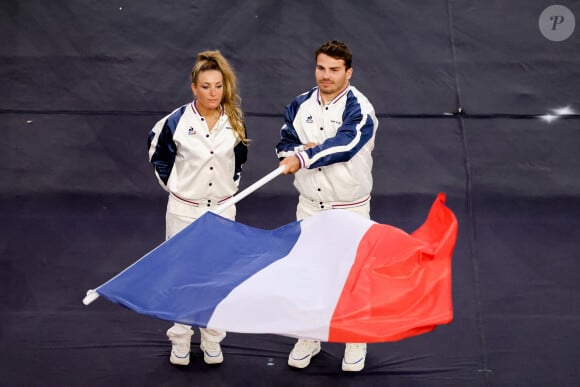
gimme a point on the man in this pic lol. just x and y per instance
(326, 142)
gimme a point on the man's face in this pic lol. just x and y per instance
(331, 75)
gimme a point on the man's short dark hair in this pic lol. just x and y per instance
(337, 50)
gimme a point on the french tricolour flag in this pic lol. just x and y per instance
(334, 277)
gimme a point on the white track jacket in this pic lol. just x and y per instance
(338, 169)
(193, 163)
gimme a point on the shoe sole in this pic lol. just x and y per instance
(174, 359)
(208, 359)
(302, 363)
(353, 367)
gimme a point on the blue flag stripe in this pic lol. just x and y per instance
(195, 267)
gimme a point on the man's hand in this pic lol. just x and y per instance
(292, 164)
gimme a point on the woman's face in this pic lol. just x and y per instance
(208, 90)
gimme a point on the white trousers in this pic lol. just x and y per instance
(179, 216)
(307, 208)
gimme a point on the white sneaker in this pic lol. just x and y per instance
(303, 351)
(212, 352)
(354, 357)
(180, 352)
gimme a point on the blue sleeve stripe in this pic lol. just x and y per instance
(241, 156)
(357, 129)
(343, 153)
(289, 137)
(165, 150)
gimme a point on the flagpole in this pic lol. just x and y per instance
(92, 294)
(242, 194)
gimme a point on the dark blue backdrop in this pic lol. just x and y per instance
(459, 86)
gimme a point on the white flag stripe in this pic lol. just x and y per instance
(294, 295)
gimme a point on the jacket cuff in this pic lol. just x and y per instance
(304, 159)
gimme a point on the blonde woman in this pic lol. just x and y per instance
(197, 152)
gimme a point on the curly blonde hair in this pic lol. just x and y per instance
(214, 60)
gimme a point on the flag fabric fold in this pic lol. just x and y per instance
(333, 277)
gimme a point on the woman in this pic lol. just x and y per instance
(198, 151)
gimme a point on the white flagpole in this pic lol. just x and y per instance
(242, 194)
(92, 294)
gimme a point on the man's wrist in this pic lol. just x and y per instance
(302, 157)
